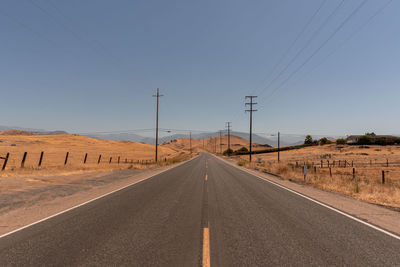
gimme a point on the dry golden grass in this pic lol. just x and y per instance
(367, 183)
(212, 144)
(55, 148)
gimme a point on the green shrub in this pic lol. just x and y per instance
(241, 163)
(341, 141)
(324, 141)
(241, 151)
(228, 152)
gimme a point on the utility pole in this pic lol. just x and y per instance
(190, 142)
(228, 126)
(251, 110)
(220, 142)
(158, 100)
(279, 147)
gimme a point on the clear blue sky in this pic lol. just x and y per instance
(85, 66)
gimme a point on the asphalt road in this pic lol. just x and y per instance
(202, 210)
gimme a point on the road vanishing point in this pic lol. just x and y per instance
(204, 212)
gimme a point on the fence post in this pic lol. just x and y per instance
(345, 164)
(23, 159)
(354, 173)
(110, 160)
(66, 158)
(383, 177)
(330, 171)
(98, 161)
(40, 160)
(5, 161)
(85, 159)
(328, 163)
(118, 159)
(387, 163)
(297, 164)
(322, 163)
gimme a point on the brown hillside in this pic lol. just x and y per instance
(55, 148)
(15, 132)
(211, 144)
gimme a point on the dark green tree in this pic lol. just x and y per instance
(308, 140)
(364, 140)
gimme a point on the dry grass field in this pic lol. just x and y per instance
(55, 148)
(212, 145)
(336, 173)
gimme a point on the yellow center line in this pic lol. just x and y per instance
(206, 248)
(206, 177)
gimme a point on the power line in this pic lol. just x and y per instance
(320, 47)
(55, 19)
(117, 132)
(106, 51)
(70, 30)
(307, 44)
(315, 33)
(278, 63)
(29, 28)
(351, 36)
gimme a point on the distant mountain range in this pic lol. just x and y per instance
(151, 140)
(286, 140)
(31, 130)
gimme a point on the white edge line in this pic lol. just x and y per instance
(91, 200)
(315, 201)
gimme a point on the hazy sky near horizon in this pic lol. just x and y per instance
(93, 65)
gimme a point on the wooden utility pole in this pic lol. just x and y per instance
(228, 126)
(279, 147)
(220, 142)
(251, 110)
(190, 142)
(158, 98)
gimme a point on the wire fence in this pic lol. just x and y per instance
(57, 159)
